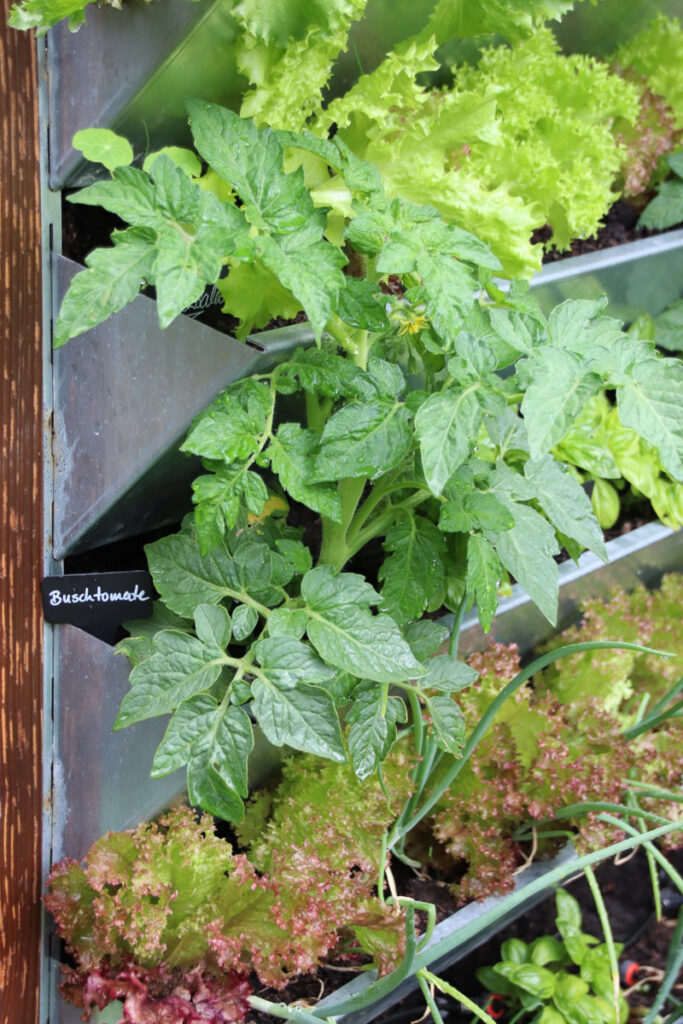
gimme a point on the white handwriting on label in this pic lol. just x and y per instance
(103, 596)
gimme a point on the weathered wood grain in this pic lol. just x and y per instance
(20, 528)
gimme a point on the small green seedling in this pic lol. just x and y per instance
(565, 980)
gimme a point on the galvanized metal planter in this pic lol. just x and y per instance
(124, 396)
(639, 277)
(99, 771)
(101, 779)
(131, 70)
(126, 393)
(642, 556)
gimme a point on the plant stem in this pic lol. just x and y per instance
(632, 801)
(457, 626)
(493, 709)
(381, 523)
(416, 715)
(607, 932)
(449, 990)
(242, 598)
(282, 1010)
(382, 867)
(666, 866)
(428, 998)
(594, 806)
(652, 721)
(317, 411)
(654, 792)
(335, 550)
(674, 962)
(376, 495)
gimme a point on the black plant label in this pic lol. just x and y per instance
(98, 602)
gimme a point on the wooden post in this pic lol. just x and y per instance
(20, 528)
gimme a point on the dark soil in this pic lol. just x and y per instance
(619, 226)
(85, 228)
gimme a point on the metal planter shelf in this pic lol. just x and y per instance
(642, 556)
(102, 780)
(131, 70)
(640, 277)
(96, 771)
(124, 396)
(117, 466)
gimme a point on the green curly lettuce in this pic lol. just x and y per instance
(42, 14)
(657, 53)
(512, 19)
(556, 148)
(287, 52)
(501, 153)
